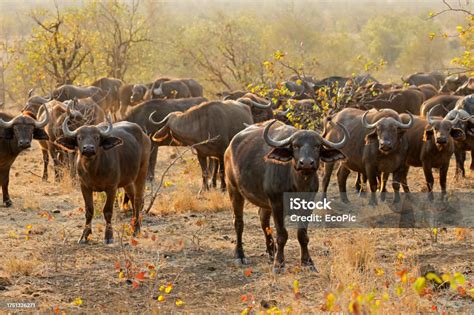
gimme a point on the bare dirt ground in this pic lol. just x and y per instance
(183, 262)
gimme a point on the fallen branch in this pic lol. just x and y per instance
(179, 157)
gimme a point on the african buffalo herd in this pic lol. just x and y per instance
(107, 136)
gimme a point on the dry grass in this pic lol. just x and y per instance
(15, 267)
(190, 240)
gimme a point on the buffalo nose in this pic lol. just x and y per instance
(306, 163)
(24, 143)
(441, 140)
(88, 148)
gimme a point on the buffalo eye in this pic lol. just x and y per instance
(79, 138)
(96, 138)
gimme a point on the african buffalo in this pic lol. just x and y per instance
(107, 160)
(431, 145)
(261, 108)
(428, 91)
(467, 88)
(400, 100)
(170, 89)
(34, 102)
(375, 147)
(80, 112)
(16, 134)
(447, 103)
(433, 78)
(216, 120)
(140, 113)
(452, 83)
(111, 88)
(266, 160)
(69, 92)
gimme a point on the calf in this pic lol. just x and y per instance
(264, 161)
(16, 134)
(107, 160)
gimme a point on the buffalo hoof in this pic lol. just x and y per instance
(241, 261)
(279, 268)
(8, 203)
(396, 199)
(362, 194)
(136, 230)
(85, 236)
(430, 197)
(344, 198)
(311, 268)
(383, 196)
(108, 241)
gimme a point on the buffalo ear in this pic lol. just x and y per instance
(109, 142)
(371, 137)
(458, 134)
(280, 155)
(68, 143)
(331, 155)
(6, 133)
(428, 134)
(40, 134)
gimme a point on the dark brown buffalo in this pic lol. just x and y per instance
(377, 145)
(215, 120)
(170, 89)
(140, 93)
(80, 112)
(34, 102)
(266, 160)
(465, 109)
(467, 88)
(261, 108)
(109, 158)
(452, 83)
(447, 103)
(140, 114)
(125, 94)
(400, 100)
(231, 95)
(428, 91)
(431, 145)
(436, 79)
(69, 92)
(194, 87)
(16, 134)
(111, 87)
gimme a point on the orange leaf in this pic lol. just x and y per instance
(248, 272)
(117, 265)
(140, 276)
(135, 284)
(134, 242)
(56, 310)
(153, 237)
(243, 298)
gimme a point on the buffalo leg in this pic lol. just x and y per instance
(108, 213)
(460, 156)
(5, 176)
(398, 176)
(45, 164)
(152, 162)
(238, 207)
(214, 167)
(429, 179)
(139, 186)
(222, 173)
(203, 163)
(472, 160)
(342, 174)
(282, 237)
(383, 186)
(303, 239)
(89, 205)
(265, 215)
(443, 174)
(372, 177)
(328, 169)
